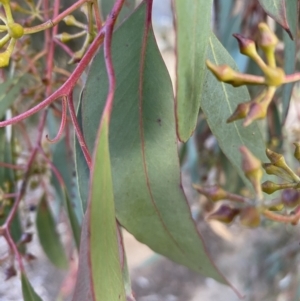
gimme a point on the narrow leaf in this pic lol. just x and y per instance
(100, 254)
(69, 193)
(48, 236)
(191, 45)
(219, 100)
(63, 160)
(283, 12)
(150, 202)
(28, 292)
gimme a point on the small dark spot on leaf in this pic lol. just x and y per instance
(159, 121)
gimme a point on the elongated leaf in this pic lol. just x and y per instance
(69, 194)
(28, 292)
(9, 91)
(101, 244)
(219, 100)
(64, 162)
(63, 195)
(48, 236)
(282, 11)
(150, 202)
(191, 49)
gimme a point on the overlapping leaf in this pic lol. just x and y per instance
(283, 11)
(192, 41)
(149, 199)
(99, 254)
(218, 102)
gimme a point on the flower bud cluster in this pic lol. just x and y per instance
(14, 32)
(250, 210)
(273, 76)
(86, 30)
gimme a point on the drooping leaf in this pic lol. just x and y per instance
(150, 202)
(28, 292)
(9, 91)
(191, 48)
(218, 102)
(99, 254)
(48, 236)
(283, 11)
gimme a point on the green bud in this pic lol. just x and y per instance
(270, 187)
(70, 20)
(15, 30)
(297, 151)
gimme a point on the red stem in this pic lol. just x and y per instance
(62, 124)
(78, 132)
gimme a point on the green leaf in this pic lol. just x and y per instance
(192, 41)
(48, 236)
(69, 193)
(9, 91)
(28, 292)
(219, 101)
(99, 253)
(106, 7)
(63, 160)
(150, 202)
(283, 12)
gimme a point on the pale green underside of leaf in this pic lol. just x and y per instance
(28, 292)
(192, 32)
(283, 11)
(48, 236)
(150, 202)
(99, 253)
(218, 102)
(103, 240)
